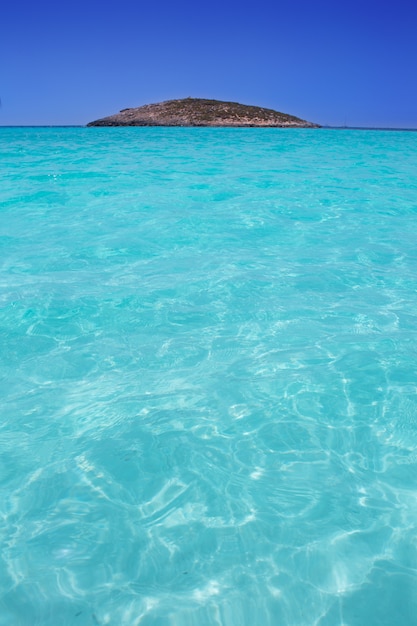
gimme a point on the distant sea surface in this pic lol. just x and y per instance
(208, 374)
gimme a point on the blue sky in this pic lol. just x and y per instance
(330, 62)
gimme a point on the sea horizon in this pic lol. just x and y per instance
(321, 127)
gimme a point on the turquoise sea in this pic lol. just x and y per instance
(208, 373)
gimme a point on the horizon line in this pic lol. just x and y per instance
(322, 126)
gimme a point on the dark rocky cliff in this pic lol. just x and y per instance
(200, 112)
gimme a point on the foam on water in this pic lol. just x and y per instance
(209, 373)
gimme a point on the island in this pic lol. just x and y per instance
(202, 112)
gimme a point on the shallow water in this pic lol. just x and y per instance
(209, 374)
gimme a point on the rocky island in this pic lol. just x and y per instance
(201, 112)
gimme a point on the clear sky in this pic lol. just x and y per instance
(328, 61)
